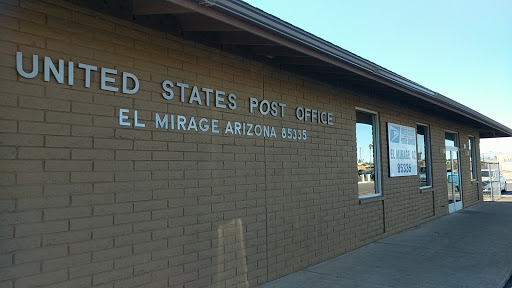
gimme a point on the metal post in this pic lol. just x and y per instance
(490, 179)
(499, 179)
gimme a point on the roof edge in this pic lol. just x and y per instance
(287, 30)
(263, 20)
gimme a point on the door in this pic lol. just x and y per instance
(453, 179)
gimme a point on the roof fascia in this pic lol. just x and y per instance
(260, 23)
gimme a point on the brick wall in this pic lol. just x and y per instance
(87, 202)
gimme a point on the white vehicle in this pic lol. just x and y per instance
(493, 176)
(503, 183)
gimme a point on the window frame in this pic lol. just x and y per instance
(457, 140)
(428, 157)
(472, 157)
(377, 165)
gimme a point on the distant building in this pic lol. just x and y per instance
(505, 161)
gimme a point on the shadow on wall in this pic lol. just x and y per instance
(231, 251)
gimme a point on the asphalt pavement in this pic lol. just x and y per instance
(507, 197)
(469, 248)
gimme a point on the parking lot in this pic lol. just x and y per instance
(366, 187)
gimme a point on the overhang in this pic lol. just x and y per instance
(237, 27)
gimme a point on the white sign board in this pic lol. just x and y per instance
(402, 150)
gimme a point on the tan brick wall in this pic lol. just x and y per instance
(87, 202)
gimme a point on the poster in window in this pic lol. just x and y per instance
(402, 150)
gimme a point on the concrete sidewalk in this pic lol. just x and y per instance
(469, 248)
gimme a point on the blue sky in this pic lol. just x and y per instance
(461, 49)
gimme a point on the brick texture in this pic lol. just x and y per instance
(87, 202)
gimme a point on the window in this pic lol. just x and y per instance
(424, 170)
(472, 157)
(368, 153)
(451, 139)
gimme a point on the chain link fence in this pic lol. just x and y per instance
(492, 181)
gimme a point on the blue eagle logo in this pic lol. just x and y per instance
(394, 134)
